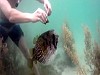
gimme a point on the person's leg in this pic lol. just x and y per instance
(17, 37)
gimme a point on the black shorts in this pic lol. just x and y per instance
(12, 30)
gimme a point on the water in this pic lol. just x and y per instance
(76, 13)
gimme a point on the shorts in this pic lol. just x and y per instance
(12, 30)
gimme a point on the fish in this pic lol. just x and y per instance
(45, 46)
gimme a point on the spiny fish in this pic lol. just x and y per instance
(45, 46)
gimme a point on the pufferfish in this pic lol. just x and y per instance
(45, 46)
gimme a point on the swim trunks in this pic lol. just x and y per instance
(12, 30)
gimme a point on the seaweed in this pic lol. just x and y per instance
(98, 30)
(92, 53)
(96, 59)
(35, 39)
(11, 61)
(69, 47)
(88, 46)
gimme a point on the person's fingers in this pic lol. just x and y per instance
(42, 16)
(48, 9)
(49, 12)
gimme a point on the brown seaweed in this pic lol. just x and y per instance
(92, 53)
(69, 46)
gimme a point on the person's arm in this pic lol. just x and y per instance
(47, 6)
(16, 16)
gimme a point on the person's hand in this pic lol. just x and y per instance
(39, 15)
(47, 7)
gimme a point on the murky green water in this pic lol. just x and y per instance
(77, 14)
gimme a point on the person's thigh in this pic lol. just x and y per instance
(3, 33)
(15, 34)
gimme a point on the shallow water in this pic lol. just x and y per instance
(77, 14)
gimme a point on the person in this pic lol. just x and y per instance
(10, 17)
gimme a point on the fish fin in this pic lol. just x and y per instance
(30, 63)
(31, 51)
(33, 54)
(35, 39)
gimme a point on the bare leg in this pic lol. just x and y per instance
(22, 45)
(35, 68)
(17, 36)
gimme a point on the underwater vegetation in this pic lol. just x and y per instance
(10, 64)
(6, 66)
(88, 46)
(96, 60)
(69, 47)
(98, 30)
(12, 61)
(92, 53)
(3, 51)
(69, 44)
